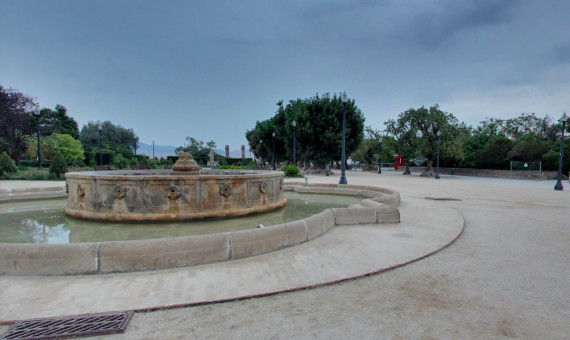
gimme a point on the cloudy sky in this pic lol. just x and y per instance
(211, 69)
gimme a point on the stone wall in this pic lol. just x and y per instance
(494, 173)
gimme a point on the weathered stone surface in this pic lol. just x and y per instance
(163, 253)
(349, 216)
(48, 259)
(157, 195)
(185, 165)
(251, 242)
(388, 214)
(320, 223)
(30, 259)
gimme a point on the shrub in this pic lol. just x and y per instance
(120, 162)
(7, 164)
(290, 171)
(232, 167)
(58, 165)
(78, 162)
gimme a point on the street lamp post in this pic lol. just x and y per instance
(342, 167)
(437, 162)
(261, 151)
(37, 115)
(558, 185)
(380, 155)
(294, 124)
(100, 146)
(273, 135)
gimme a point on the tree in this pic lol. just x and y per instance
(196, 147)
(369, 149)
(56, 121)
(115, 138)
(15, 109)
(493, 155)
(63, 144)
(416, 131)
(6, 164)
(318, 131)
(58, 165)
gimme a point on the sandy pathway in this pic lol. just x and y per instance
(508, 276)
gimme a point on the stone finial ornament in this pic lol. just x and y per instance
(185, 165)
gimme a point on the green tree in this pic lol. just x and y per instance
(318, 131)
(6, 164)
(15, 109)
(368, 151)
(115, 138)
(56, 121)
(200, 153)
(493, 155)
(57, 143)
(58, 165)
(416, 131)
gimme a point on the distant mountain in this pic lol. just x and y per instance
(160, 151)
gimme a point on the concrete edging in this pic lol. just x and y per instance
(129, 256)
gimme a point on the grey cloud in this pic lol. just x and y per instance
(437, 25)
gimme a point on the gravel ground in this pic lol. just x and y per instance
(507, 276)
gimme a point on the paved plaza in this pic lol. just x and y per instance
(505, 276)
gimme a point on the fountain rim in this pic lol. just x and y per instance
(154, 254)
(167, 174)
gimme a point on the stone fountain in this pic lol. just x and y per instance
(183, 193)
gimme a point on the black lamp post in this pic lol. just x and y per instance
(273, 135)
(100, 146)
(380, 155)
(342, 167)
(261, 151)
(437, 166)
(37, 115)
(558, 185)
(294, 124)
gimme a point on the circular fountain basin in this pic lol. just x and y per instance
(380, 206)
(167, 195)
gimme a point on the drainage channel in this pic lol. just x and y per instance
(70, 326)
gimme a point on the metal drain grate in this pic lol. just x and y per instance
(72, 326)
(443, 199)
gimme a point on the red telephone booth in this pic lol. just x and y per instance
(398, 161)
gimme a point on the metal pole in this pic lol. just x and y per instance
(273, 151)
(437, 168)
(261, 152)
(100, 149)
(39, 144)
(559, 185)
(294, 150)
(380, 156)
(342, 167)
(152, 149)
